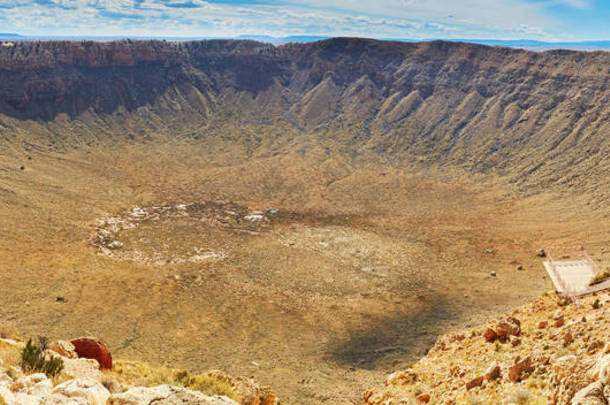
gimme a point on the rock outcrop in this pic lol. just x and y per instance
(92, 348)
(543, 368)
(83, 382)
(167, 395)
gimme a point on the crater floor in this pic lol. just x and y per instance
(316, 277)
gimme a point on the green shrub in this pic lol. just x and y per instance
(33, 359)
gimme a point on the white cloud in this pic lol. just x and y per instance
(382, 18)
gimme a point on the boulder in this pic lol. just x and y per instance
(568, 339)
(254, 217)
(508, 327)
(64, 348)
(6, 395)
(493, 372)
(401, 378)
(592, 394)
(520, 370)
(57, 399)
(423, 398)
(475, 382)
(26, 399)
(115, 244)
(251, 393)
(167, 395)
(490, 335)
(91, 390)
(33, 384)
(601, 370)
(5, 379)
(91, 348)
(82, 368)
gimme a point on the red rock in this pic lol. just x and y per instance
(457, 338)
(595, 346)
(490, 335)
(543, 325)
(423, 398)
(477, 382)
(521, 370)
(508, 327)
(493, 372)
(568, 339)
(91, 348)
(560, 322)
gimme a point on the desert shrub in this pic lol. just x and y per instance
(33, 358)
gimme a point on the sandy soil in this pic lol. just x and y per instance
(359, 279)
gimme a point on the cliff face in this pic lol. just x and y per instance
(515, 112)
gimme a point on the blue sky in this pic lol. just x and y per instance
(547, 20)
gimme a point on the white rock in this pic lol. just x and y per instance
(34, 384)
(601, 370)
(5, 380)
(57, 399)
(91, 390)
(6, 395)
(26, 399)
(82, 368)
(592, 394)
(64, 348)
(115, 245)
(254, 217)
(167, 395)
(11, 342)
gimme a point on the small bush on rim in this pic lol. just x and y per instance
(33, 358)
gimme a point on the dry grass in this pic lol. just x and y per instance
(9, 355)
(141, 374)
(8, 330)
(600, 277)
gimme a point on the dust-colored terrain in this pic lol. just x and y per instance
(359, 278)
(385, 237)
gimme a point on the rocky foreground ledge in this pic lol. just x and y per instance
(89, 377)
(549, 352)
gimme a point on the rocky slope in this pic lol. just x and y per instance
(88, 377)
(539, 119)
(549, 352)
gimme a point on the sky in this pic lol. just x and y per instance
(545, 20)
